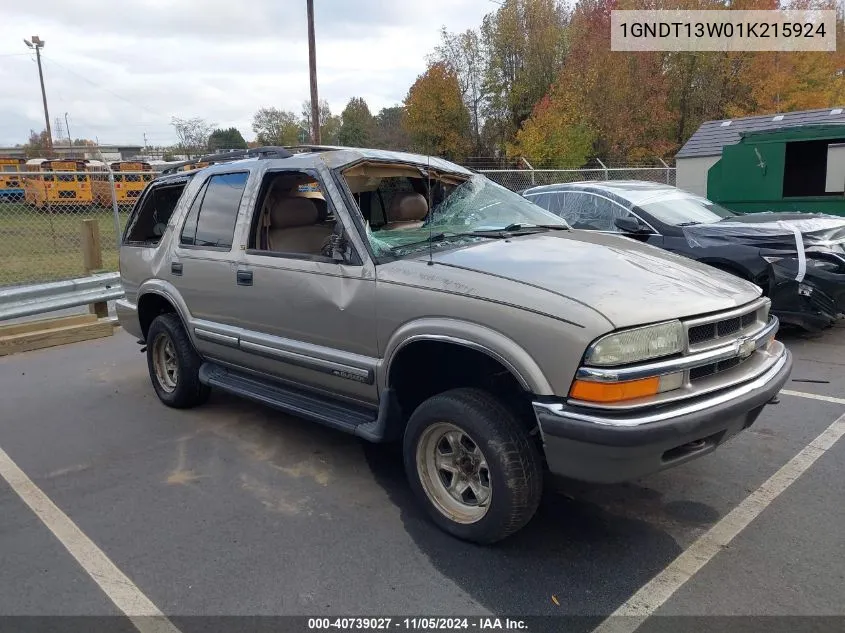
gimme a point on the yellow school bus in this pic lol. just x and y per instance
(11, 183)
(63, 183)
(196, 165)
(130, 178)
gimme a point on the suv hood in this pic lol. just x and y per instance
(628, 282)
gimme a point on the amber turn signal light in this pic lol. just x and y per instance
(614, 391)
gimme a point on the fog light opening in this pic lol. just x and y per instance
(692, 448)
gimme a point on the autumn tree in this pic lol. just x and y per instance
(390, 133)
(556, 136)
(329, 123)
(192, 134)
(276, 127)
(230, 138)
(356, 127)
(525, 43)
(616, 100)
(37, 145)
(465, 54)
(436, 117)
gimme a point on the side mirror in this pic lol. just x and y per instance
(630, 225)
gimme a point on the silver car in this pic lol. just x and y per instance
(402, 297)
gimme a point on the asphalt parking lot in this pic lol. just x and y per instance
(233, 509)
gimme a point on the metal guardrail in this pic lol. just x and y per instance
(39, 298)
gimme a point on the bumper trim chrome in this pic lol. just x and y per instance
(561, 410)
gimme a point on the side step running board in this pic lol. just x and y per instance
(339, 415)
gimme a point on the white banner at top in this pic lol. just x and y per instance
(723, 30)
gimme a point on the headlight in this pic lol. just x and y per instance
(811, 262)
(822, 264)
(631, 346)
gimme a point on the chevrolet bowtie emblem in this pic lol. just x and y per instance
(746, 347)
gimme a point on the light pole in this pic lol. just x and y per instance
(312, 67)
(69, 137)
(37, 43)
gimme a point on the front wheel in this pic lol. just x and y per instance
(473, 465)
(173, 364)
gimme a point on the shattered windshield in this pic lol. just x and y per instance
(475, 210)
(683, 209)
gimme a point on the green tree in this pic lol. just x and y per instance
(329, 123)
(356, 127)
(436, 117)
(230, 138)
(276, 127)
(389, 130)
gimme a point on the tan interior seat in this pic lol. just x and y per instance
(295, 227)
(407, 211)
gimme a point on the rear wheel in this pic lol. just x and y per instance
(173, 364)
(473, 465)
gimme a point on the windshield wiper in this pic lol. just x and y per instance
(510, 228)
(688, 224)
(439, 237)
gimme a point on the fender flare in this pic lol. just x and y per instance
(496, 345)
(167, 291)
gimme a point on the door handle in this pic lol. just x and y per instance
(176, 268)
(244, 277)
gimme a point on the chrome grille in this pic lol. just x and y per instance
(721, 329)
(697, 373)
(718, 329)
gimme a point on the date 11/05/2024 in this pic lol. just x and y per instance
(416, 624)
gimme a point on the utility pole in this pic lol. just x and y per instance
(67, 129)
(145, 143)
(312, 67)
(37, 43)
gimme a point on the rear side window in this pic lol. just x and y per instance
(152, 213)
(211, 219)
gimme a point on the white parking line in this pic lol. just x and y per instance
(628, 617)
(120, 590)
(812, 396)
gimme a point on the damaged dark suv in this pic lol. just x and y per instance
(798, 259)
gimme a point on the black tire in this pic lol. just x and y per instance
(187, 390)
(515, 475)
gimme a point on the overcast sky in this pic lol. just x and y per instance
(120, 69)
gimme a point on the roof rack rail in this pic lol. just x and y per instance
(268, 151)
(312, 148)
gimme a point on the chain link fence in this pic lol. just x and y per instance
(42, 213)
(519, 179)
(41, 221)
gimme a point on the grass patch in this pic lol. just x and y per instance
(38, 246)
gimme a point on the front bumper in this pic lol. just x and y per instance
(811, 304)
(603, 447)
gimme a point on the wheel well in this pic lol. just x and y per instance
(424, 368)
(149, 307)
